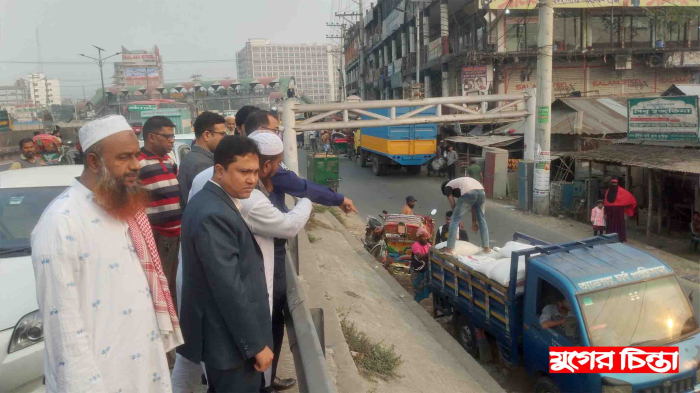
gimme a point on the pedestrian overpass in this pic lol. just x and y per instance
(510, 107)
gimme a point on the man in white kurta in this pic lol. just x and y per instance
(101, 331)
(266, 222)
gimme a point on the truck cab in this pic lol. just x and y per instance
(603, 293)
(618, 296)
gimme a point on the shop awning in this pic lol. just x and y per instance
(653, 157)
(486, 141)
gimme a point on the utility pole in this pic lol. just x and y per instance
(362, 51)
(342, 56)
(361, 26)
(100, 62)
(541, 185)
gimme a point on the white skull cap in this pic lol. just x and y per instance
(100, 129)
(269, 144)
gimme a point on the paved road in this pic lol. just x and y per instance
(372, 194)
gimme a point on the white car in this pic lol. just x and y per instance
(24, 195)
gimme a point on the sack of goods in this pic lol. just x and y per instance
(495, 265)
(462, 248)
(439, 163)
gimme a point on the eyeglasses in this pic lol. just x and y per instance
(219, 133)
(170, 137)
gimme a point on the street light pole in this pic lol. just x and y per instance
(100, 62)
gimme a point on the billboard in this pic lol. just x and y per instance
(532, 4)
(139, 58)
(141, 72)
(663, 118)
(475, 80)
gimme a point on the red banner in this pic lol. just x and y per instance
(626, 360)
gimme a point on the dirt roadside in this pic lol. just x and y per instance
(353, 287)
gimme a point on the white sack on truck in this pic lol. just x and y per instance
(463, 248)
(500, 273)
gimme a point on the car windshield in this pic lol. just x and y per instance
(20, 210)
(639, 314)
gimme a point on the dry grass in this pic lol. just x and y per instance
(331, 209)
(373, 359)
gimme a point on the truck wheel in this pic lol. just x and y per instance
(377, 168)
(546, 385)
(363, 159)
(466, 336)
(413, 169)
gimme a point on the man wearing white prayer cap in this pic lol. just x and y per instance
(107, 313)
(265, 221)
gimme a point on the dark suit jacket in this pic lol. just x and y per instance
(224, 314)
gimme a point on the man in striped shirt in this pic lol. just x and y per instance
(159, 176)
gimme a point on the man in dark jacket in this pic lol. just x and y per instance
(224, 314)
(444, 231)
(287, 182)
(209, 128)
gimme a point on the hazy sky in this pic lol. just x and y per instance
(182, 29)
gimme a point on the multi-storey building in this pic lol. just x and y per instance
(44, 91)
(140, 67)
(477, 47)
(314, 66)
(15, 94)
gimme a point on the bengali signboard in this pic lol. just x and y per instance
(532, 4)
(475, 80)
(663, 118)
(142, 107)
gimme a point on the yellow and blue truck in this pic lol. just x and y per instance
(408, 146)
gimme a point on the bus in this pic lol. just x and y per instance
(134, 108)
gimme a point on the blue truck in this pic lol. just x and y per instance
(619, 296)
(408, 146)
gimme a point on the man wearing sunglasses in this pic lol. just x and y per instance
(159, 176)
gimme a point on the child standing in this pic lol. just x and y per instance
(598, 218)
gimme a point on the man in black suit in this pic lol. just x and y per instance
(224, 315)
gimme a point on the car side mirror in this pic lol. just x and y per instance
(570, 327)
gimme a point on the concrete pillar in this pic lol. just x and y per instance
(426, 93)
(403, 43)
(444, 28)
(445, 81)
(426, 27)
(386, 54)
(393, 49)
(411, 39)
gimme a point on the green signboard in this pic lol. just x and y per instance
(137, 107)
(663, 118)
(543, 114)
